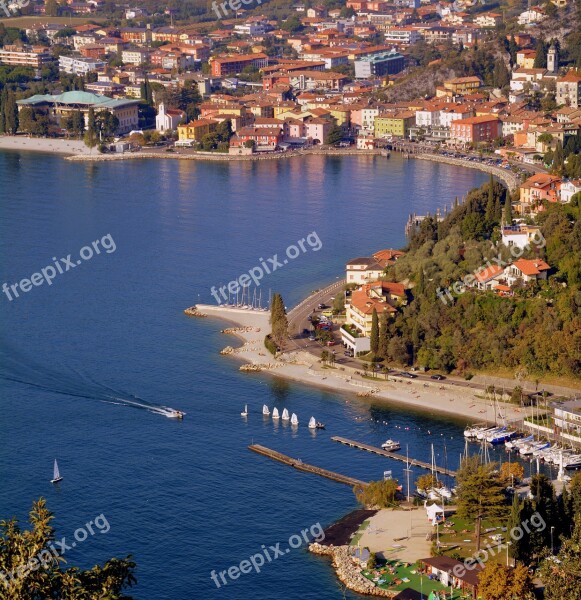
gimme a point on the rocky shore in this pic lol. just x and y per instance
(347, 571)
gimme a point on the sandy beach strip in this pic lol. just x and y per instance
(464, 403)
(50, 145)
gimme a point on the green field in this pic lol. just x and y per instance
(23, 22)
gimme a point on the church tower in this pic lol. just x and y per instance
(552, 59)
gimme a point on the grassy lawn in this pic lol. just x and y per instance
(406, 577)
(355, 539)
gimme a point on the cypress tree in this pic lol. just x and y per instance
(383, 335)
(10, 114)
(91, 134)
(374, 339)
(507, 214)
(558, 158)
(278, 319)
(490, 204)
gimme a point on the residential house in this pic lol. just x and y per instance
(526, 270)
(452, 572)
(394, 125)
(266, 139)
(521, 236)
(526, 58)
(196, 130)
(569, 188)
(475, 130)
(569, 89)
(536, 189)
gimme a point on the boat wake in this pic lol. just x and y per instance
(16, 367)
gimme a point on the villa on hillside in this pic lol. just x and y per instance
(381, 296)
(370, 268)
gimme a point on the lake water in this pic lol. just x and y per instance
(83, 358)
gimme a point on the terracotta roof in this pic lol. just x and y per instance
(531, 267)
(489, 273)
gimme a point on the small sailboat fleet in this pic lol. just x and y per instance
(285, 416)
(56, 473)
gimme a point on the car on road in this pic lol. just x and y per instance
(406, 374)
(312, 338)
(437, 377)
(322, 306)
(306, 331)
(331, 343)
(348, 353)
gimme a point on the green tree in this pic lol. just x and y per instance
(380, 494)
(22, 577)
(335, 134)
(51, 8)
(374, 337)
(558, 158)
(10, 112)
(27, 120)
(90, 137)
(562, 577)
(383, 346)
(507, 212)
(278, 319)
(480, 492)
(501, 74)
(541, 55)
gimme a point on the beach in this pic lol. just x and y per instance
(438, 397)
(37, 144)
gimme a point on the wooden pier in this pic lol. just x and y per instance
(393, 455)
(301, 466)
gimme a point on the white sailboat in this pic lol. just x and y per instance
(56, 475)
(275, 414)
(285, 415)
(244, 413)
(294, 420)
(265, 410)
(312, 423)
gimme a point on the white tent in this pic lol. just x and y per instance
(435, 513)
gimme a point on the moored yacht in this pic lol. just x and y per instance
(391, 445)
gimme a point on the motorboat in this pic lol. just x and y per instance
(175, 414)
(391, 445)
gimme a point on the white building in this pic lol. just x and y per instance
(531, 16)
(520, 236)
(569, 189)
(251, 29)
(79, 65)
(402, 35)
(168, 119)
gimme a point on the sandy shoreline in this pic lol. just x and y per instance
(303, 367)
(53, 146)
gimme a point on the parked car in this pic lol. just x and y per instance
(331, 343)
(408, 375)
(322, 306)
(437, 377)
(312, 338)
(306, 331)
(348, 353)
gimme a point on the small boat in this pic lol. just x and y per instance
(275, 414)
(320, 425)
(391, 445)
(175, 414)
(265, 410)
(56, 474)
(294, 420)
(285, 415)
(244, 413)
(573, 462)
(516, 444)
(312, 423)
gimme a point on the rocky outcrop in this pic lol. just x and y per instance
(347, 570)
(194, 312)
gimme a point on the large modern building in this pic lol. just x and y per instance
(59, 106)
(568, 421)
(25, 56)
(222, 66)
(79, 65)
(388, 63)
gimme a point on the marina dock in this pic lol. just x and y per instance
(301, 466)
(393, 455)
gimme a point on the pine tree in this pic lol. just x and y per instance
(374, 337)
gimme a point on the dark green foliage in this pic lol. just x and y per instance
(278, 319)
(374, 337)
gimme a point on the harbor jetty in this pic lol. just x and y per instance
(413, 462)
(297, 463)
